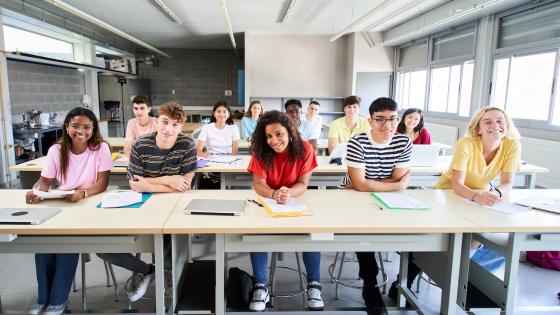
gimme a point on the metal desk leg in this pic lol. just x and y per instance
(159, 273)
(511, 272)
(530, 180)
(223, 181)
(220, 274)
(449, 289)
(464, 270)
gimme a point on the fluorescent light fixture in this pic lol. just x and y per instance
(108, 51)
(228, 22)
(288, 11)
(350, 28)
(79, 13)
(167, 11)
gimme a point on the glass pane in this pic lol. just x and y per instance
(530, 85)
(530, 26)
(466, 89)
(453, 95)
(413, 55)
(27, 42)
(556, 108)
(417, 89)
(398, 88)
(499, 82)
(406, 90)
(439, 85)
(460, 43)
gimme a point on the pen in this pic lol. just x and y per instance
(492, 187)
(255, 202)
(377, 206)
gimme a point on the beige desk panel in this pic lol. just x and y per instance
(494, 221)
(38, 164)
(321, 144)
(84, 218)
(191, 127)
(338, 211)
(115, 142)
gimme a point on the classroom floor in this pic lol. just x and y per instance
(18, 286)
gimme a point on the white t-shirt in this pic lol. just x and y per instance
(307, 131)
(219, 141)
(317, 124)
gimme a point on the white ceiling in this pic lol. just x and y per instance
(204, 25)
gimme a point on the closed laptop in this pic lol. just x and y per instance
(424, 155)
(26, 215)
(216, 207)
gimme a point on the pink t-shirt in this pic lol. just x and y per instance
(135, 131)
(82, 168)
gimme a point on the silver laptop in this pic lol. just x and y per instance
(339, 151)
(120, 163)
(26, 215)
(216, 207)
(545, 203)
(424, 155)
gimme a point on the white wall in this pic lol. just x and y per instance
(370, 59)
(278, 66)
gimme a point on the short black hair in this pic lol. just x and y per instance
(292, 101)
(382, 104)
(140, 99)
(351, 100)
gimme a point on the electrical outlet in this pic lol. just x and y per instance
(228, 93)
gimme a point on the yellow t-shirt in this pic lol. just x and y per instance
(339, 130)
(468, 158)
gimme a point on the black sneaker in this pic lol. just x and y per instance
(393, 292)
(373, 300)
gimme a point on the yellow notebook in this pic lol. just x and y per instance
(115, 155)
(293, 208)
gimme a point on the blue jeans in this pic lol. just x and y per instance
(312, 262)
(488, 259)
(55, 273)
(124, 260)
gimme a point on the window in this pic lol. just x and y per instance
(525, 68)
(19, 40)
(449, 69)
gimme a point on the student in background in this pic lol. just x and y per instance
(312, 116)
(412, 125)
(378, 160)
(305, 128)
(221, 135)
(344, 128)
(141, 124)
(80, 161)
(249, 121)
(281, 164)
(491, 148)
(161, 161)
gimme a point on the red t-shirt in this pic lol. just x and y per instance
(283, 171)
(423, 137)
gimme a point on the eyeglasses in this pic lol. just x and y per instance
(383, 121)
(77, 127)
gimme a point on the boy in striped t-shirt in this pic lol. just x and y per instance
(161, 161)
(377, 160)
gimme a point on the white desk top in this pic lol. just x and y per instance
(84, 218)
(494, 221)
(341, 211)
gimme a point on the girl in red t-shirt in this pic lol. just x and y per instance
(412, 125)
(281, 164)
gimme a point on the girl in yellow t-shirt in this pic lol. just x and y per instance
(491, 147)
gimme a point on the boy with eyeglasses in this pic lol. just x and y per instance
(378, 160)
(161, 161)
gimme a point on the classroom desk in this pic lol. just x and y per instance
(508, 235)
(322, 146)
(83, 228)
(191, 127)
(116, 143)
(364, 228)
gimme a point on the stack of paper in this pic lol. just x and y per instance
(399, 201)
(53, 194)
(224, 158)
(292, 208)
(117, 199)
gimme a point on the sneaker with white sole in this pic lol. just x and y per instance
(260, 298)
(314, 300)
(36, 309)
(55, 309)
(140, 288)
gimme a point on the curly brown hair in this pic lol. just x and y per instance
(263, 151)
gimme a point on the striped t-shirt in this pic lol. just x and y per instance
(148, 160)
(378, 160)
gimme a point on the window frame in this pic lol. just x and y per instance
(31, 31)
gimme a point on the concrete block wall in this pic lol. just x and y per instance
(199, 77)
(46, 88)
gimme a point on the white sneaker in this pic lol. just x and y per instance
(314, 300)
(260, 298)
(36, 309)
(140, 289)
(55, 309)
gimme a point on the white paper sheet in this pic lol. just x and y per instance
(546, 203)
(116, 199)
(293, 205)
(52, 194)
(401, 201)
(224, 158)
(504, 207)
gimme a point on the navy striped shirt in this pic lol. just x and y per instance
(378, 160)
(148, 160)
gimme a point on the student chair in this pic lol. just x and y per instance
(85, 257)
(340, 259)
(274, 266)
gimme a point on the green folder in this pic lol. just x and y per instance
(386, 206)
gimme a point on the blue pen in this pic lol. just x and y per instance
(491, 185)
(493, 188)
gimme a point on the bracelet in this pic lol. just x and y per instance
(85, 193)
(474, 195)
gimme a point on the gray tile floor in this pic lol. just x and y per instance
(18, 286)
